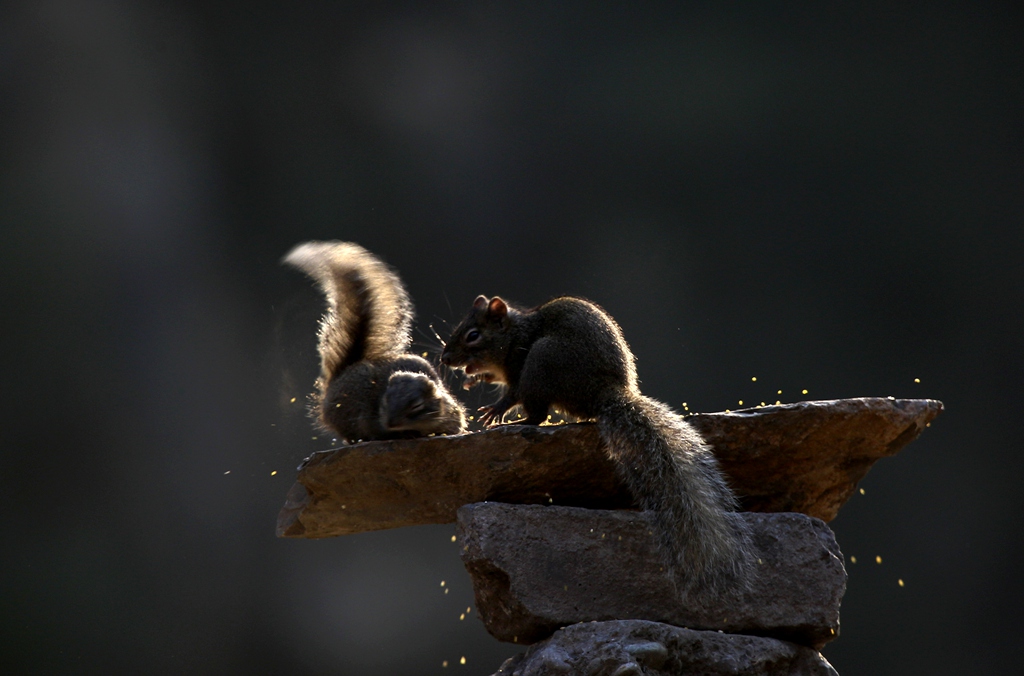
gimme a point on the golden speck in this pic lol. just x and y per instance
(900, 582)
(424, 354)
(314, 438)
(468, 610)
(442, 583)
(453, 538)
(917, 380)
(565, 587)
(759, 561)
(445, 591)
(853, 559)
(728, 411)
(273, 473)
(292, 401)
(462, 616)
(754, 379)
(471, 418)
(803, 391)
(466, 548)
(343, 506)
(862, 491)
(832, 630)
(741, 402)
(337, 406)
(762, 403)
(878, 559)
(927, 424)
(445, 664)
(777, 402)
(779, 392)
(602, 536)
(462, 660)
(620, 538)
(227, 472)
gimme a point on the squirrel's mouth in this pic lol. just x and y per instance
(476, 374)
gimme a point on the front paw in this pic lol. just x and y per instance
(490, 416)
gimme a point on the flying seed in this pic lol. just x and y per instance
(917, 380)
(878, 559)
(853, 559)
(754, 379)
(273, 473)
(292, 401)
(453, 538)
(900, 582)
(462, 660)
(862, 491)
(803, 391)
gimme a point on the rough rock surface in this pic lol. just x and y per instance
(537, 568)
(635, 647)
(804, 457)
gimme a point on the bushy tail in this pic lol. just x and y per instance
(369, 314)
(671, 472)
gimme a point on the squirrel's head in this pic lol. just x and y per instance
(479, 343)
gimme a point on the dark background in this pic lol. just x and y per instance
(824, 197)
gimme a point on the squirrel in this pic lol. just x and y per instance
(570, 355)
(369, 386)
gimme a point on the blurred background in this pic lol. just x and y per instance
(822, 197)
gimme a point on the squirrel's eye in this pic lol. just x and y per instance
(472, 336)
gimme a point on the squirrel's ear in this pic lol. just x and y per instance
(497, 308)
(480, 303)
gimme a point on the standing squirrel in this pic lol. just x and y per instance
(570, 354)
(369, 386)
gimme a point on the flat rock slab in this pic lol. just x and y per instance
(635, 647)
(804, 457)
(536, 569)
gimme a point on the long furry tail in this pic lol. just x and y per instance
(369, 314)
(672, 473)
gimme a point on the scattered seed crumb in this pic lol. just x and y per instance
(424, 354)
(803, 391)
(878, 559)
(273, 473)
(779, 392)
(741, 402)
(853, 559)
(462, 660)
(469, 609)
(453, 538)
(442, 583)
(862, 491)
(227, 472)
(445, 591)
(462, 617)
(917, 380)
(900, 582)
(445, 664)
(292, 401)
(754, 379)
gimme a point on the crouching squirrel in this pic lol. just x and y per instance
(569, 354)
(369, 386)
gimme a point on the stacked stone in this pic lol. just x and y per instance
(557, 562)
